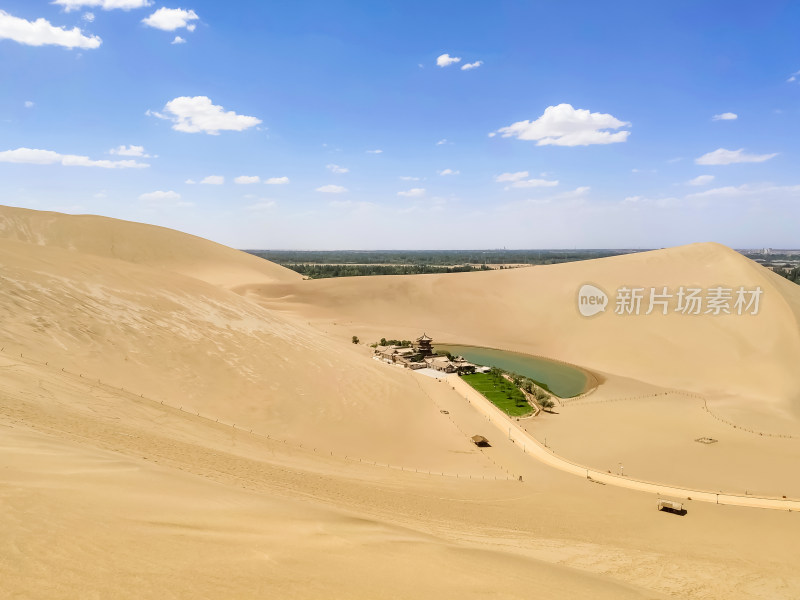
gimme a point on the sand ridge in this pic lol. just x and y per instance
(534, 310)
(140, 244)
(108, 491)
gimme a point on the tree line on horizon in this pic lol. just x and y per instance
(792, 274)
(353, 263)
(313, 271)
(431, 257)
(321, 264)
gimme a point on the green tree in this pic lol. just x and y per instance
(355, 339)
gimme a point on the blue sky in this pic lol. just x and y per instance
(331, 125)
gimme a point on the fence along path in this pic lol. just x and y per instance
(579, 401)
(522, 438)
(92, 382)
(530, 445)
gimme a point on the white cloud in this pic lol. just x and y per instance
(88, 17)
(409, 178)
(159, 196)
(449, 172)
(48, 157)
(446, 60)
(40, 33)
(213, 180)
(356, 206)
(277, 181)
(412, 193)
(530, 183)
(30, 156)
(511, 176)
(793, 77)
(473, 65)
(643, 201)
(378, 151)
(263, 205)
(70, 5)
(728, 116)
(245, 179)
(129, 151)
(578, 192)
(164, 199)
(178, 40)
(441, 142)
(701, 180)
(575, 198)
(728, 190)
(170, 19)
(198, 114)
(337, 169)
(721, 156)
(331, 189)
(28, 104)
(190, 181)
(564, 125)
(756, 192)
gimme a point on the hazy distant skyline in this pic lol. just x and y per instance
(418, 125)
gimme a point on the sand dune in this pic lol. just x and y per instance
(751, 358)
(732, 377)
(353, 482)
(140, 244)
(183, 341)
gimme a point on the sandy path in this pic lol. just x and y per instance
(532, 447)
(168, 530)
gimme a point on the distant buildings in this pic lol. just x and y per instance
(420, 355)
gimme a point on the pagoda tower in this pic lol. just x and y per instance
(423, 345)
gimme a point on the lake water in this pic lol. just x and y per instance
(563, 380)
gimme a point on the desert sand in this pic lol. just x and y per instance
(180, 419)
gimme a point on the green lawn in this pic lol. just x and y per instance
(500, 392)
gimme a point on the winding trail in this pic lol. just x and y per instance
(529, 445)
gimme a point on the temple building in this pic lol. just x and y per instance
(420, 355)
(423, 346)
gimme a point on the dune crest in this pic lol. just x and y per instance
(534, 310)
(176, 338)
(141, 244)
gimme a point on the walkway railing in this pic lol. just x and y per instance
(530, 445)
